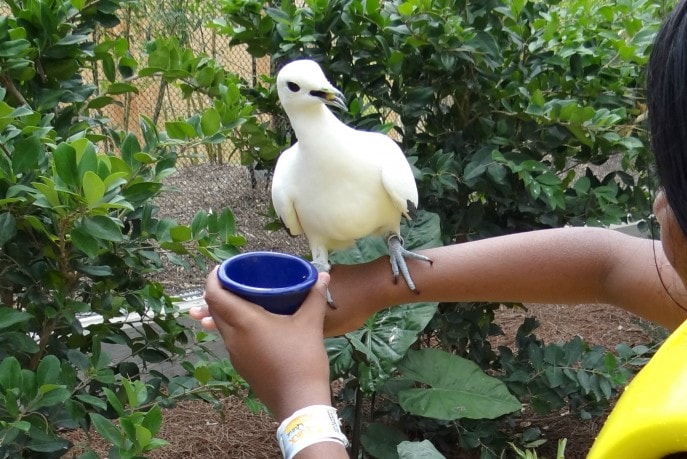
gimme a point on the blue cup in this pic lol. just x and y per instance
(278, 282)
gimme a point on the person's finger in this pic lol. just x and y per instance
(231, 309)
(208, 323)
(202, 315)
(314, 307)
(198, 312)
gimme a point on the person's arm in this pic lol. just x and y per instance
(567, 265)
(282, 358)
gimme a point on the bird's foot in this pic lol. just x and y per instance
(325, 268)
(322, 267)
(398, 255)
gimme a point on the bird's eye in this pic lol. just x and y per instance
(293, 87)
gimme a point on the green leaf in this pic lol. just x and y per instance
(94, 188)
(406, 8)
(92, 400)
(414, 450)
(143, 436)
(8, 227)
(202, 374)
(485, 42)
(100, 102)
(198, 225)
(46, 441)
(136, 392)
(538, 98)
(153, 419)
(65, 164)
(72, 39)
(210, 121)
(48, 370)
(83, 241)
(106, 428)
(10, 374)
(144, 158)
(382, 440)
(27, 153)
(121, 88)
(86, 157)
(20, 342)
(95, 271)
(115, 179)
(114, 401)
(47, 189)
(180, 130)
(10, 317)
(180, 233)
(102, 227)
(130, 146)
(24, 426)
(13, 48)
(458, 388)
(548, 179)
(50, 395)
(226, 225)
(139, 192)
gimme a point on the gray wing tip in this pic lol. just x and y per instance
(412, 209)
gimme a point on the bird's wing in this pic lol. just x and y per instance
(283, 180)
(398, 180)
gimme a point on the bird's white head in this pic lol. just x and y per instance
(302, 84)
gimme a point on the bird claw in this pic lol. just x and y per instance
(330, 301)
(398, 255)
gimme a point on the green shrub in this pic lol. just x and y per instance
(80, 235)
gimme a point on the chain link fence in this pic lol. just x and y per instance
(187, 21)
(208, 180)
(210, 177)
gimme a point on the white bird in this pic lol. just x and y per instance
(337, 184)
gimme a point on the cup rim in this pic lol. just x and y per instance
(239, 287)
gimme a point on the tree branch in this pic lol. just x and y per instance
(12, 89)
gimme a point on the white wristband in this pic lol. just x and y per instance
(307, 426)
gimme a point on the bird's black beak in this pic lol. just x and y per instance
(332, 97)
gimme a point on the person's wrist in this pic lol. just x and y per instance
(300, 395)
(299, 386)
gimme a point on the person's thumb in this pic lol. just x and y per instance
(315, 304)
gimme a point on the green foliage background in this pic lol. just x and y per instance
(515, 115)
(501, 106)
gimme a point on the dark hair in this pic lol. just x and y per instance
(667, 102)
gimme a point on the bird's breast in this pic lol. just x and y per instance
(340, 205)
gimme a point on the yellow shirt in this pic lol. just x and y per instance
(650, 419)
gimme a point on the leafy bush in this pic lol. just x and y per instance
(516, 115)
(79, 236)
(494, 102)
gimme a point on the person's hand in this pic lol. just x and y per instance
(281, 357)
(358, 292)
